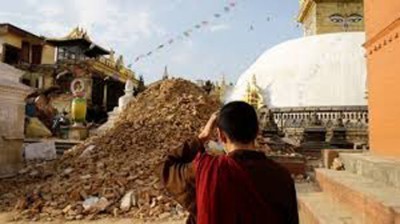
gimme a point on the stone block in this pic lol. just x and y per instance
(78, 133)
(319, 208)
(374, 201)
(328, 155)
(383, 170)
(10, 157)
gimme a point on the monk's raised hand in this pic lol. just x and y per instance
(207, 131)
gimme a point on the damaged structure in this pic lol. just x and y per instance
(51, 66)
(12, 116)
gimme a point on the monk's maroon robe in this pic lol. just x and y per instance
(241, 187)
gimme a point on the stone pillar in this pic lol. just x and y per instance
(12, 118)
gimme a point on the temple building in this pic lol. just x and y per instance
(77, 56)
(56, 62)
(26, 50)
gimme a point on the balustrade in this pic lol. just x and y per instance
(293, 120)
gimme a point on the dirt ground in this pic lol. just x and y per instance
(7, 218)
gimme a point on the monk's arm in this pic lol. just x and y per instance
(178, 173)
(293, 215)
(186, 152)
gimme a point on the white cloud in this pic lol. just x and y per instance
(52, 29)
(50, 10)
(185, 53)
(108, 22)
(219, 27)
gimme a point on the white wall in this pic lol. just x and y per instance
(321, 70)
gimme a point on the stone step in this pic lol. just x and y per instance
(319, 208)
(384, 170)
(374, 201)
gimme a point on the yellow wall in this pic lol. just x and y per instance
(48, 54)
(13, 40)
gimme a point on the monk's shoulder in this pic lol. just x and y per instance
(278, 169)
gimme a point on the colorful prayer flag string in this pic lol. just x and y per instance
(226, 9)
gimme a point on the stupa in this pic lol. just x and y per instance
(123, 102)
(326, 67)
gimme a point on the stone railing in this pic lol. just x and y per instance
(292, 121)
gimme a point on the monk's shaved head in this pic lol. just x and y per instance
(239, 122)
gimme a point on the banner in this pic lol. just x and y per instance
(188, 32)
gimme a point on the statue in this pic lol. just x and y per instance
(314, 120)
(268, 125)
(120, 62)
(253, 94)
(112, 55)
(78, 131)
(79, 107)
(125, 99)
(339, 122)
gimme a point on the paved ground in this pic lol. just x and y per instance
(7, 218)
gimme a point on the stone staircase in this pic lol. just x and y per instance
(368, 191)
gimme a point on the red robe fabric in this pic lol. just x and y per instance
(226, 194)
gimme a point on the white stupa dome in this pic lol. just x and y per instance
(320, 70)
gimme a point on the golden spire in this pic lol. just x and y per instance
(253, 94)
(78, 33)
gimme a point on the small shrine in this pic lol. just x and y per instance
(123, 102)
(339, 133)
(314, 135)
(268, 126)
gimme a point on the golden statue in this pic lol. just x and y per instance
(253, 94)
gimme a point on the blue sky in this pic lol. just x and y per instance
(133, 27)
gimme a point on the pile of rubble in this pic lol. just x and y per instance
(116, 173)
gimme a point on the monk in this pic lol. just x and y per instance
(242, 186)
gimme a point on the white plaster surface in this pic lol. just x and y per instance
(320, 70)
